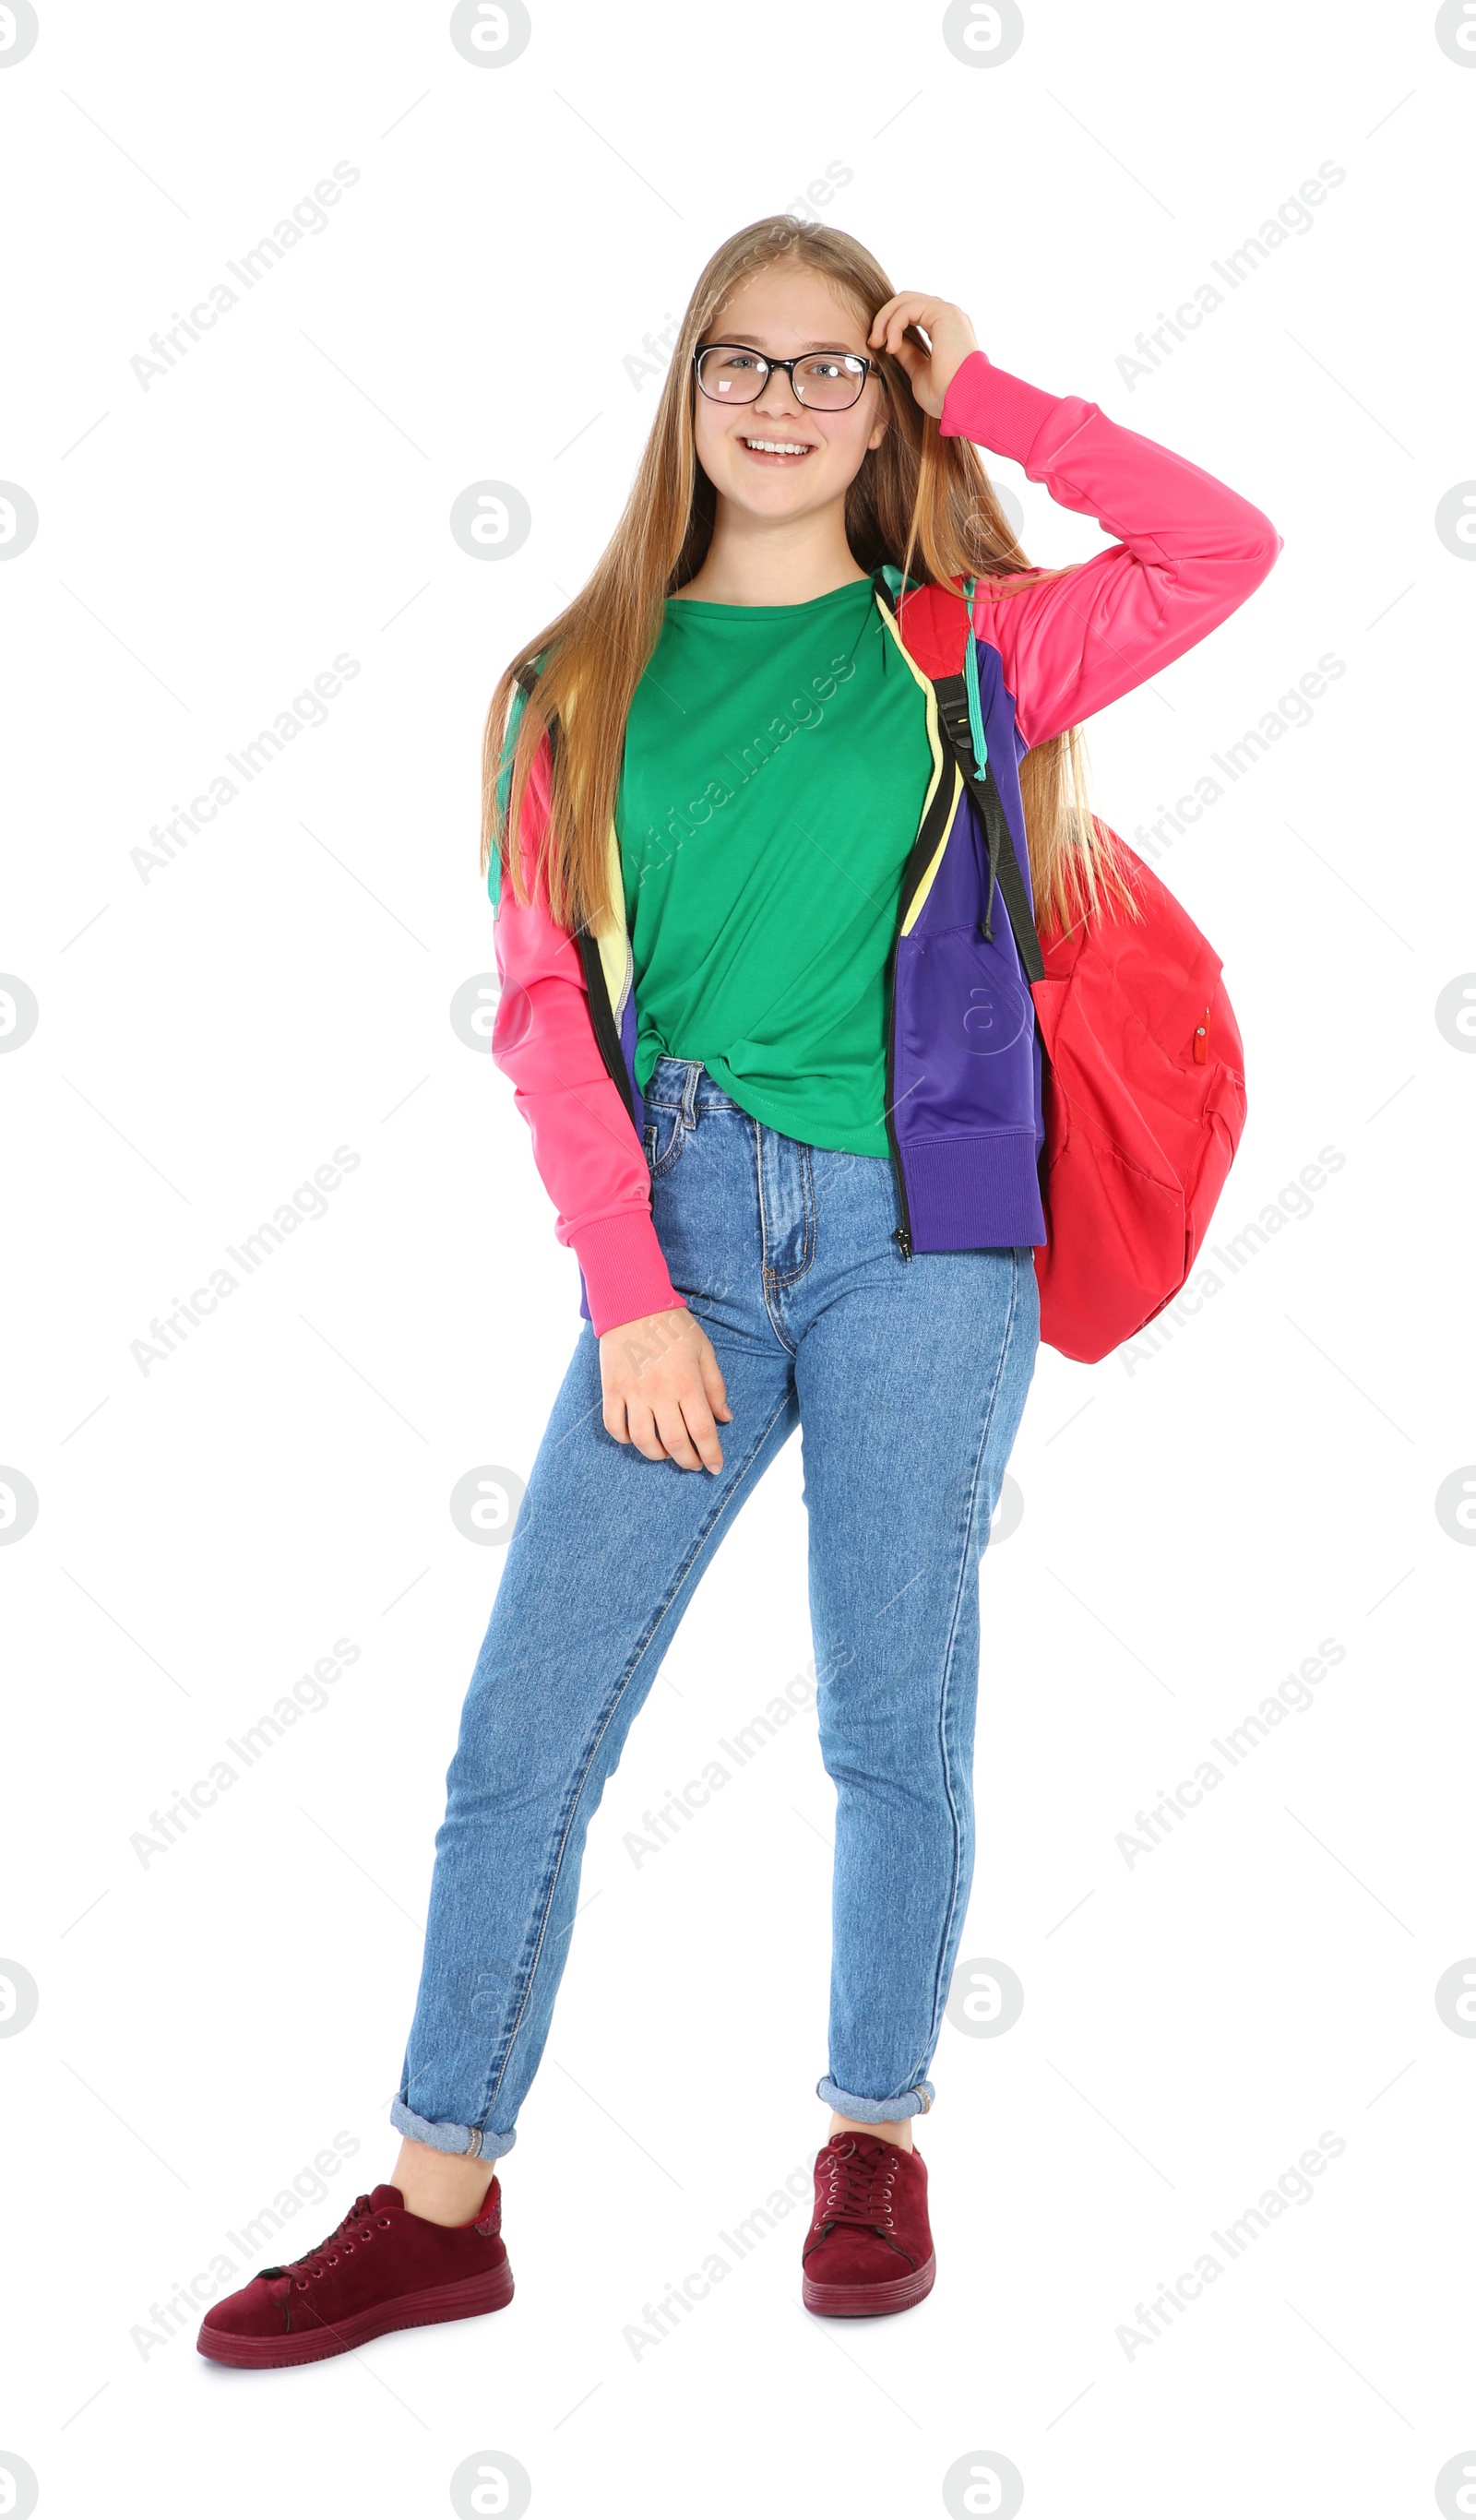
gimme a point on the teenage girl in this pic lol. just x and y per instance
(770, 1032)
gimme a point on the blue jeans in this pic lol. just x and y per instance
(907, 1378)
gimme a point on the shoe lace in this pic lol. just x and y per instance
(859, 2182)
(357, 2230)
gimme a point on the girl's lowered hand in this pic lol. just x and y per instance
(930, 373)
(664, 1390)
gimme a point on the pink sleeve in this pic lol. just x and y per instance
(586, 1150)
(1187, 550)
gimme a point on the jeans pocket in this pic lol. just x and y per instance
(665, 1137)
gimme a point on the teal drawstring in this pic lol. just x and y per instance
(981, 755)
(971, 676)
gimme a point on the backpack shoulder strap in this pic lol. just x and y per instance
(961, 726)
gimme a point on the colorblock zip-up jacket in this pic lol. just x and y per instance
(963, 1052)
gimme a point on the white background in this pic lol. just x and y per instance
(1195, 1519)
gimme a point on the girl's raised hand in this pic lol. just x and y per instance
(946, 328)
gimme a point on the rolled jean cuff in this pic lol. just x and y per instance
(484, 2144)
(914, 2104)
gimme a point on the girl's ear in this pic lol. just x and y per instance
(884, 415)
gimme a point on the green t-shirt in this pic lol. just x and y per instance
(776, 765)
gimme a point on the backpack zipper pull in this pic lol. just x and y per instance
(1202, 1041)
(903, 1241)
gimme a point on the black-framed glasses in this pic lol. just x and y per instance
(823, 380)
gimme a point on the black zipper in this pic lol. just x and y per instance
(602, 1014)
(935, 823)
(602, 1022)
(602, 1018)
(903, 1238)
(604, 1028)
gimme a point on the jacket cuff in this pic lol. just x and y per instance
(625, 1275)
(994, 409)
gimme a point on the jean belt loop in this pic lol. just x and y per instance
(690, 1092)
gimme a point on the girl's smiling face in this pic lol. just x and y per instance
(777, 457)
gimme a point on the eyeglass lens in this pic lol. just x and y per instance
(829, 380)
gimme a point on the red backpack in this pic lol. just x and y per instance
(1144, 1083)
(1145, 1093)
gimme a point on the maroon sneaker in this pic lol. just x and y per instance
(380, 2269)
(869, 2248)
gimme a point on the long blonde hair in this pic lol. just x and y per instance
(919, 499)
